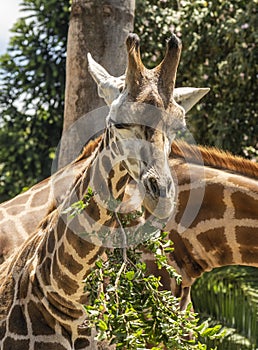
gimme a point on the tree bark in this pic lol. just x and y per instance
(99, 27)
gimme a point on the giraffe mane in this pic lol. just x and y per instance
(214, 157)
(88, 149)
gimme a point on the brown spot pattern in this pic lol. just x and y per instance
(61, 228)
(42, 252)
(45, 271)
(38, 322)
(212, 206)
(2, 330)
(66, 333)
(22, 199)
(96, 255)
(11, 344)
(247, 237)
(68, 261)
(109, 176)
(162, 273)
(63, 305)
(181, 171)
(81, 247)
(63, 281)
(121, 183)
(106, 163)
(182, 255)
(214, 242)
(24, 284)
(7, 295)
(51, 242)
(81, 343)
(84, 183)
(37, 289)
(212, 239)
(17, 321)
(246, 207)
(50, 320)
(100, 183)
(84, 331)
(93, 210)
(42, 198)
(14, 210)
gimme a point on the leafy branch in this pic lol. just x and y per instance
(126, 303)
(129, 308)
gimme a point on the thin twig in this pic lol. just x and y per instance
(123, 236)
(117, 281)
(124, 244)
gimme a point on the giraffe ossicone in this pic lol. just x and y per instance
(110, 87)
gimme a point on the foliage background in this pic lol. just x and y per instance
(32, 80)
(219, 39)
(229, 295)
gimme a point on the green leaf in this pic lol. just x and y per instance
(130, 275)
(102, 325)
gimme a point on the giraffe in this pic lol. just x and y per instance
(224, 229)
(23, 213)
(41, 284)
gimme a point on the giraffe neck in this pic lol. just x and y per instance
(23, 214)
(223, 230)
(44, 280)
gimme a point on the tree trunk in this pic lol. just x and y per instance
(99, 27)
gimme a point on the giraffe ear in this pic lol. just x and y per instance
(187, 97)
(109, 87)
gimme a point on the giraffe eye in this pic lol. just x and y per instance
(119, 125)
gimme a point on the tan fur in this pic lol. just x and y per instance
(88, 149)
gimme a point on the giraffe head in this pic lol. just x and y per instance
(143, 120)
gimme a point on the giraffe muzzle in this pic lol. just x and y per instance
(159, 197)
(156, 189)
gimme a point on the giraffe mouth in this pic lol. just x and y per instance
(161, 207)
(159, 193)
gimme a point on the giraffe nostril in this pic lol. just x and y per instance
(153, 186)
